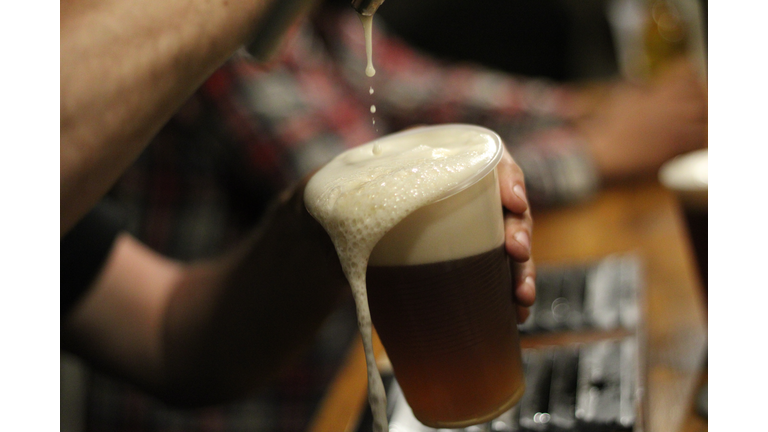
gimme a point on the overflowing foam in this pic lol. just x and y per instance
(361, 195)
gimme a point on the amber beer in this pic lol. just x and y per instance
(440, 294)
(422, 209)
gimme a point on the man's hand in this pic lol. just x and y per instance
(518, 226)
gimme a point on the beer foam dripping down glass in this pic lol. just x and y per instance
(361, 194)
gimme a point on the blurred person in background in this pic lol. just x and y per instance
(251, 130)
(193, 332)
(628, 128)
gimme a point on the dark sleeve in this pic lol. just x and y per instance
(85, 249)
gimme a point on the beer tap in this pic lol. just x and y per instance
(366, 7)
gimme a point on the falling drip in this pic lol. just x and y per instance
(373, 109)
(376, 148)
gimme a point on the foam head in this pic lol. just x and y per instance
(360, 195)
(462, 225)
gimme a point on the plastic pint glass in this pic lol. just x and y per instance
(440, 294)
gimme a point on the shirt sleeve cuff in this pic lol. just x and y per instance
(558, 169)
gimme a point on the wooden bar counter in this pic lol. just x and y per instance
(641, 218)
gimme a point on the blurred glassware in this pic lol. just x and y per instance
(666, 35)
(650, 33)
(687, 176)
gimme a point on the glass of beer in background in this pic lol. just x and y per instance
(440, 290)
(687, 176)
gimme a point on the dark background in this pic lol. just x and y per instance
(564, 40)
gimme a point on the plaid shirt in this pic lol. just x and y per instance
(251, 130)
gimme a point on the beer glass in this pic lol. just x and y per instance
(687, 176)
(440, 291)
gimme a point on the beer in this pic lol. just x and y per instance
(439, 288)
(449, 329)
(423, 208)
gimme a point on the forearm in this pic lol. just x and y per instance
(272, 297)
(204, 332)
(126, 67)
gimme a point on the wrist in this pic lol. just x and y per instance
(558, 167)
